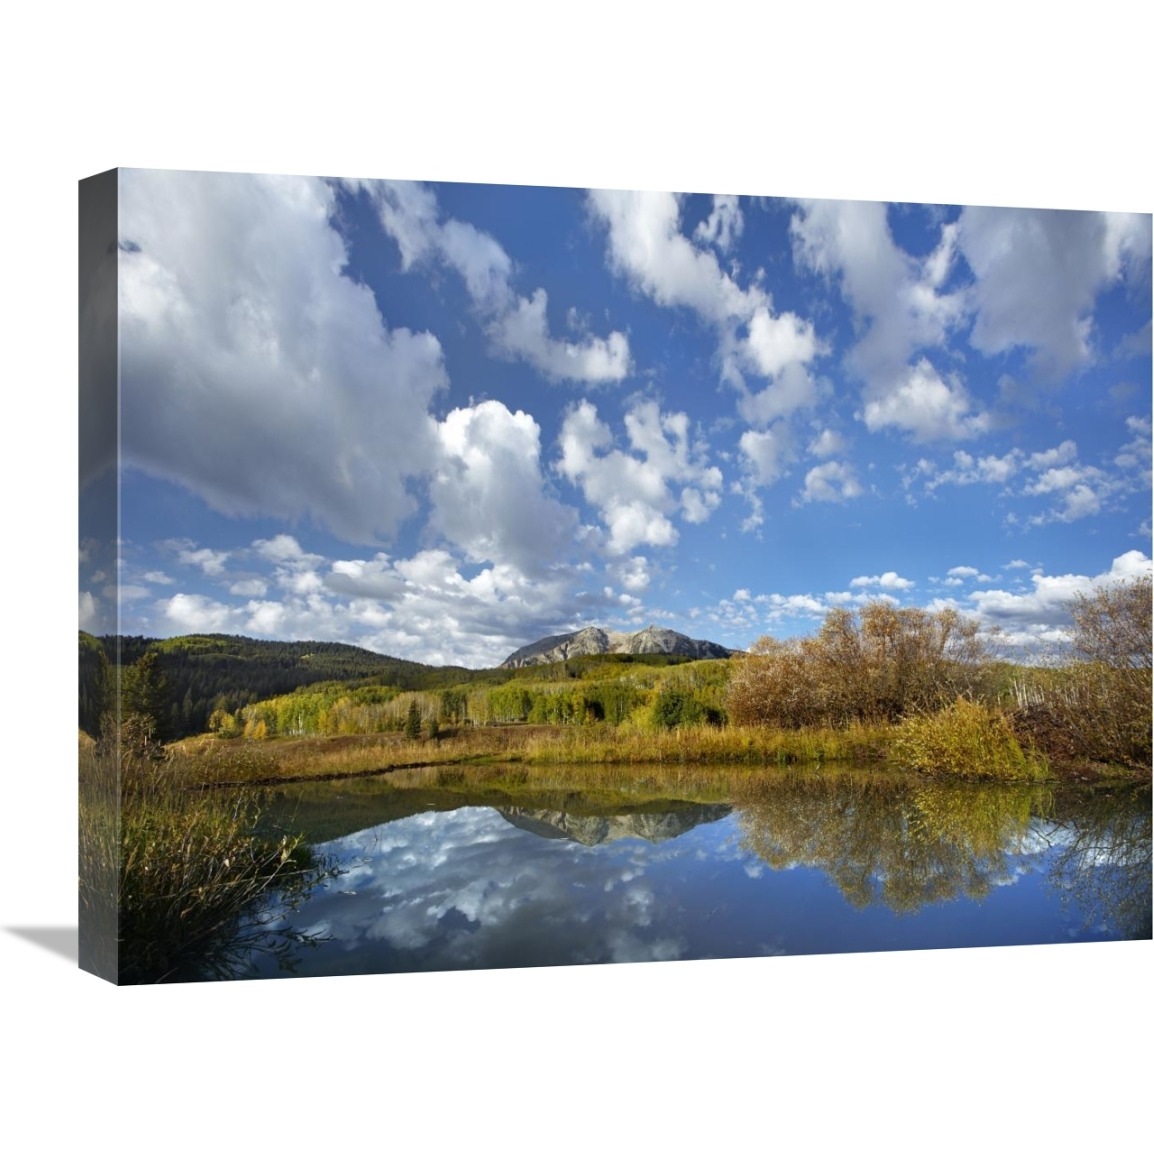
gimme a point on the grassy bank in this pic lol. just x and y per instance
(215, 762)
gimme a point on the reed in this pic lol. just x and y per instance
(98, 862)
(184, 875)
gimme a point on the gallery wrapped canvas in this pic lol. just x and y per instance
(480, 576)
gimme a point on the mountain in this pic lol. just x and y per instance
(591, 642)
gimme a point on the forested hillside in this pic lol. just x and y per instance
(664, 689)
(207, 674)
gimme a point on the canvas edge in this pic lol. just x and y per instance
(98, 499)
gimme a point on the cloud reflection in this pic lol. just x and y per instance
(467, 888)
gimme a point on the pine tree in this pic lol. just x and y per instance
(145, 693)
(105, 690)
(413, 721)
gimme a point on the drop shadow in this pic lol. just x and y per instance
(61, 940)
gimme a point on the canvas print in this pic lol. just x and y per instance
(480, 576)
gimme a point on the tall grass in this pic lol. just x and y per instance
(183, 875)
(99, 861)
(210, 761)
(213, 762)
(731, 745)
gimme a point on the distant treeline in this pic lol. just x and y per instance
(583, 691)
(204, 675)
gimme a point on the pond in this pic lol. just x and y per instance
(507, 866)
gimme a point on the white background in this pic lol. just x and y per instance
(978, 103)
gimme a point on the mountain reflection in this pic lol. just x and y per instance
(590, 831)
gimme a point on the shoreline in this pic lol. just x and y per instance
(215, 762)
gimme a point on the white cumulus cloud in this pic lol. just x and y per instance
(918, 401)
(647, 246)
(1044, 611)
(252, 371)
(767, 453)
(724, 224)
(900, 309)
(1038, 273)
(488, 492)
(888, 580)
(634, 491)
(517, 326)
(833, 481)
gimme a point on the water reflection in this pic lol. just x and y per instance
(527, 868)
(589, 830)
(1102, 864)
(894, 841)
(467, 888)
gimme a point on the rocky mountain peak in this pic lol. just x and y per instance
(592, 641)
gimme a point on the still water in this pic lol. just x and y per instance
(503, 866)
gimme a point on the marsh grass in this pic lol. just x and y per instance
(710, 745)
(210, 761)
(182, 876)
(99, 862)
(967, 740)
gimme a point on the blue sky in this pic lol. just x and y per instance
(441, 421)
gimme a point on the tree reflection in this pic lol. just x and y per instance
(900, 842)
(1103, 860)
